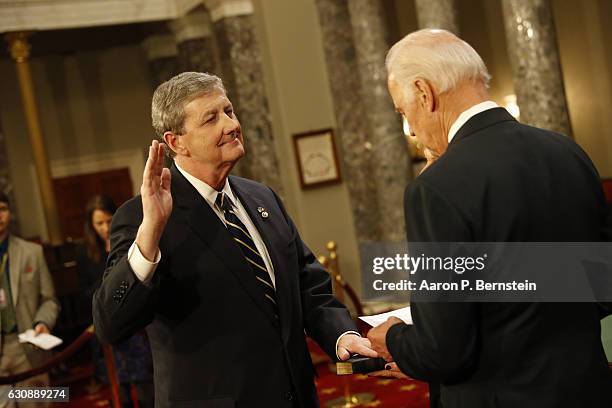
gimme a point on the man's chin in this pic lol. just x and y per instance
(238, 149)
(235, 153)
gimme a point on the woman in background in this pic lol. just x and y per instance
(132, 357)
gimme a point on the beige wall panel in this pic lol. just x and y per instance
(91, 103)
(300, 101)
(583, 32)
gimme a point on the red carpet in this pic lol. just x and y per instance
(387, 393)
(82, 393)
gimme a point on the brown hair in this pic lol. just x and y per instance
(93, 243)
(5, 199)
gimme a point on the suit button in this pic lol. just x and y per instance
(289, 396)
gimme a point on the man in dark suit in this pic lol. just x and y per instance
(215, 269)
(494, 180)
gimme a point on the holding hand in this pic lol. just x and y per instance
(391, 371)
(430, 156)
(378, 337)
(41, 328)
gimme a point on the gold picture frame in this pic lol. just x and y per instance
(317, 158)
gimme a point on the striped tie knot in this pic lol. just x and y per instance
(223, 202)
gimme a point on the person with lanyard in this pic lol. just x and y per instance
(27, 301)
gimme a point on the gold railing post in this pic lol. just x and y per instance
(19, 49)
(349, 399)
(334, 270)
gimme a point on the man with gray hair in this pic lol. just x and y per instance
(214, 268)
(494, 180)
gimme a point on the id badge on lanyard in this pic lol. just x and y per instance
(3, 296)
(3, 299)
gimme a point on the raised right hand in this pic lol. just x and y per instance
(156, 201)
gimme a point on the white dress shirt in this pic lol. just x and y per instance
(144, 269)
(467, 115)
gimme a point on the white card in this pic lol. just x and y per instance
(375, 320)
(44, 341)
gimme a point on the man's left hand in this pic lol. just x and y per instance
(354, 344)
(391, 371)
(378, 337)
(41, 328)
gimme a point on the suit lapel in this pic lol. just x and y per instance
(15, 254)
(251, 201)
(205, 223)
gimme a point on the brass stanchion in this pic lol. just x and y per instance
(19, 49)
(349, 399)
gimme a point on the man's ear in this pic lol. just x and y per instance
(174, 143)
(425, 94)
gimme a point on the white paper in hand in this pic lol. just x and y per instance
(375, 320)
(44, 341)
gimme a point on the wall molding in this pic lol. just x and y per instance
(132, 159)
(31, 15)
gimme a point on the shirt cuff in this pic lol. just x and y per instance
(342, 335)
(143, 269)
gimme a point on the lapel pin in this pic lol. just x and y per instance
(265, 214)
(260, 209)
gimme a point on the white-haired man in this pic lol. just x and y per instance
(495, 180)
(214, 267)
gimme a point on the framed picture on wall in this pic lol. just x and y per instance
(316, 157)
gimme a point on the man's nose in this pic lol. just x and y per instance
(230, 124)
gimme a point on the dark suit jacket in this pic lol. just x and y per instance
(502, 181)
(213, 342)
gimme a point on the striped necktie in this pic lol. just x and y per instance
(246, 244)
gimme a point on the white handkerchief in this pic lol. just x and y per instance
(375, 320)
(44, 341)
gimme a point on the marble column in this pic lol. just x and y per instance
(240, 59)
(390, 157)
(352, 123)
(162, 54)
(534, 56)
(437, 14)
(194, 42)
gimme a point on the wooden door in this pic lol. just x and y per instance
(73, 192)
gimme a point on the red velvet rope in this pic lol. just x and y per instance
(55, 360)
(354, 298)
